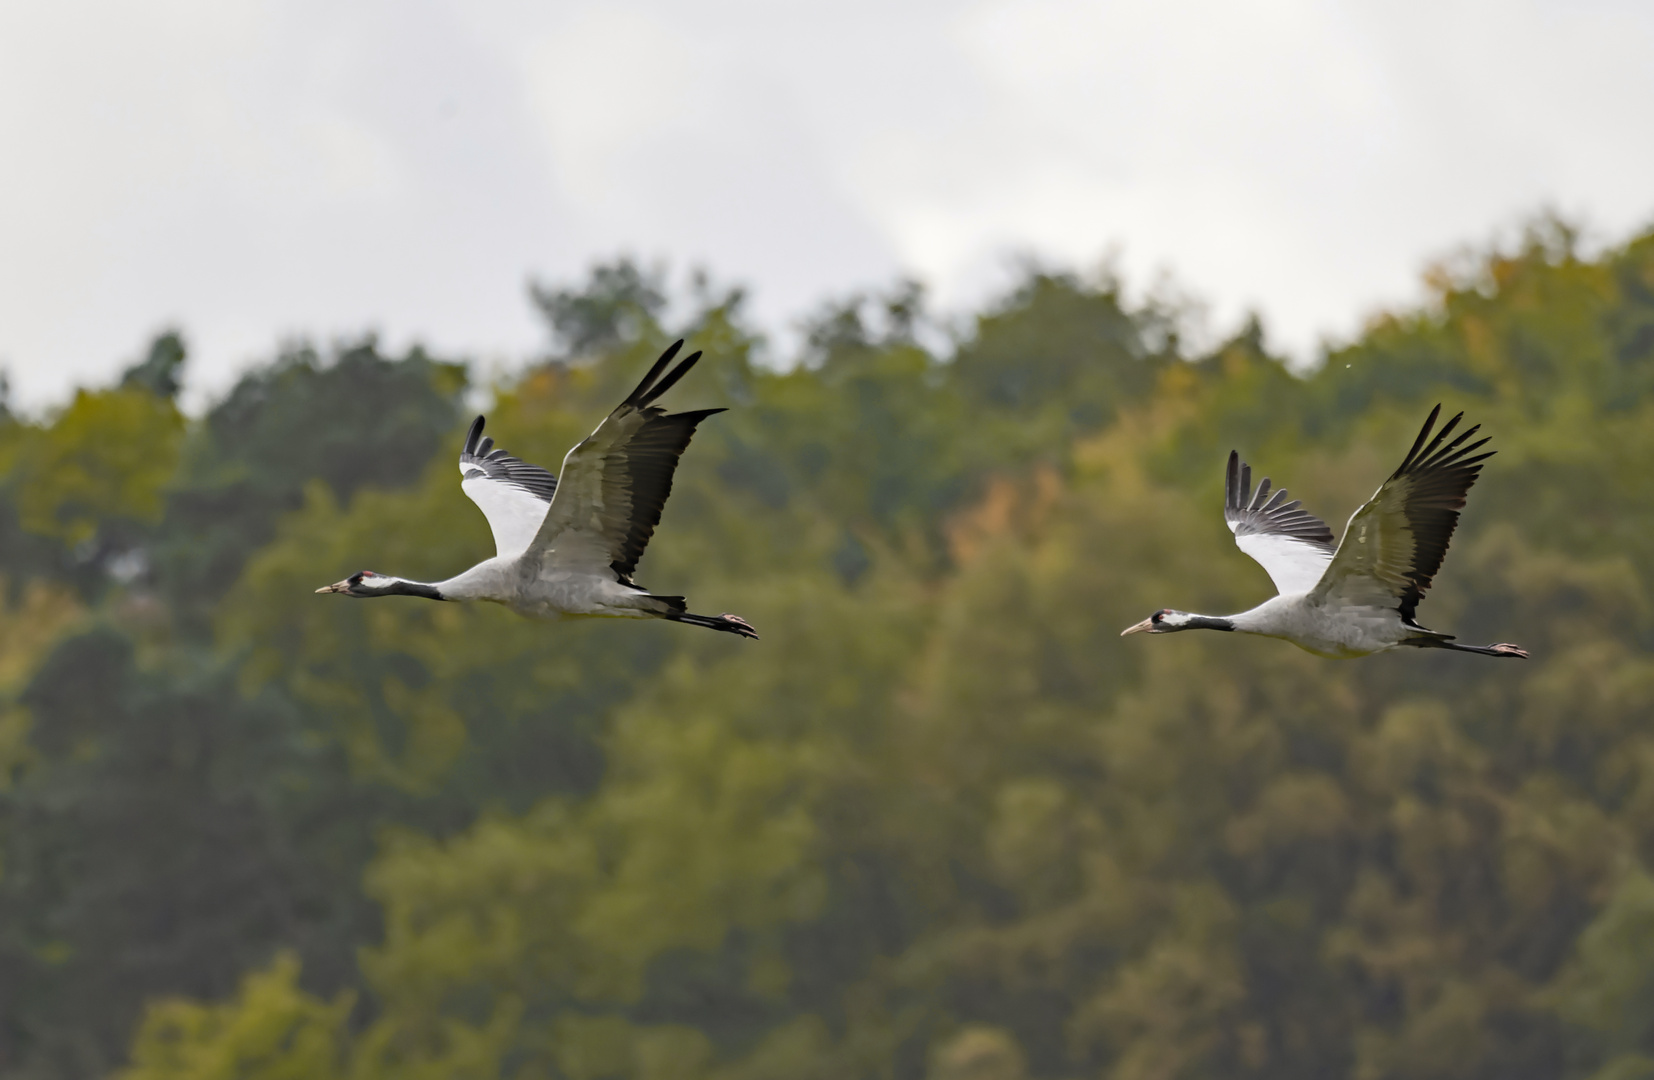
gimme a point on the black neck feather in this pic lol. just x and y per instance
(1208, 622)
(415, 588)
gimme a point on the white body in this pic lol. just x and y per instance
(1331, 629)
(549, 591)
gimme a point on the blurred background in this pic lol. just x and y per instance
(990, 290)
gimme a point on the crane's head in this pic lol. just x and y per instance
(1167, 621)
(1164, 621)
(364, 583)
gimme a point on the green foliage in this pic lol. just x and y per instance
(163, 835)
(272, 1030)
(362, 420)
(942, 821)
(620, 303)
(104, 461)
(163, 831)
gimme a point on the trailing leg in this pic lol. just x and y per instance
(1501, 649)
(678, 611)
(731, 624)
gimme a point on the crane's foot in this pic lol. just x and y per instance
(737, 625)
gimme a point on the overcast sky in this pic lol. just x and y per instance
(250, 170)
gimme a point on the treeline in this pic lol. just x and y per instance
(942, 822)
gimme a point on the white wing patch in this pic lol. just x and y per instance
(514, 515)
(512, 494)
(1293, 565)
(1290, 543)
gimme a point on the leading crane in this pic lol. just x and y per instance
(567, 545)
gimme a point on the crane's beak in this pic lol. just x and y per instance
(338, 586)
(1144, 627)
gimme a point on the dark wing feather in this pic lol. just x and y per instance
(1438, 478)
(480, 454)
(1291, 544)
(651, 458)
(1396, 542)
(1259, 514)
(616, 482)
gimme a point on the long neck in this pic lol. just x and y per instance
(1209, 622)
(488, 580)
(403, 587)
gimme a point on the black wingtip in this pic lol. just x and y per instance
(1447, 429)
(1437, 453)
(671, 378)
(471, 437)
(1446, 452)
(1231, 477)
(637, 396)
(1424, 433)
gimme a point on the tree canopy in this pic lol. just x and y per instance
(942, 822)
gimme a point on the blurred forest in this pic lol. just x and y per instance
(942, 822)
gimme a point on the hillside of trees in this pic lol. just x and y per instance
(942, 822)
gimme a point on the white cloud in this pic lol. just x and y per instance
(607, 82)
(253, 169)
(1299, 157)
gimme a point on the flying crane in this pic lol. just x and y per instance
(567, 545)
(1361, 596)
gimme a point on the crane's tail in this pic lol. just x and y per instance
(729, 624)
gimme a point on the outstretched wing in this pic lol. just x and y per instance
(512, 494)
(1396, 542)
(1291, 544)
(614, 484)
